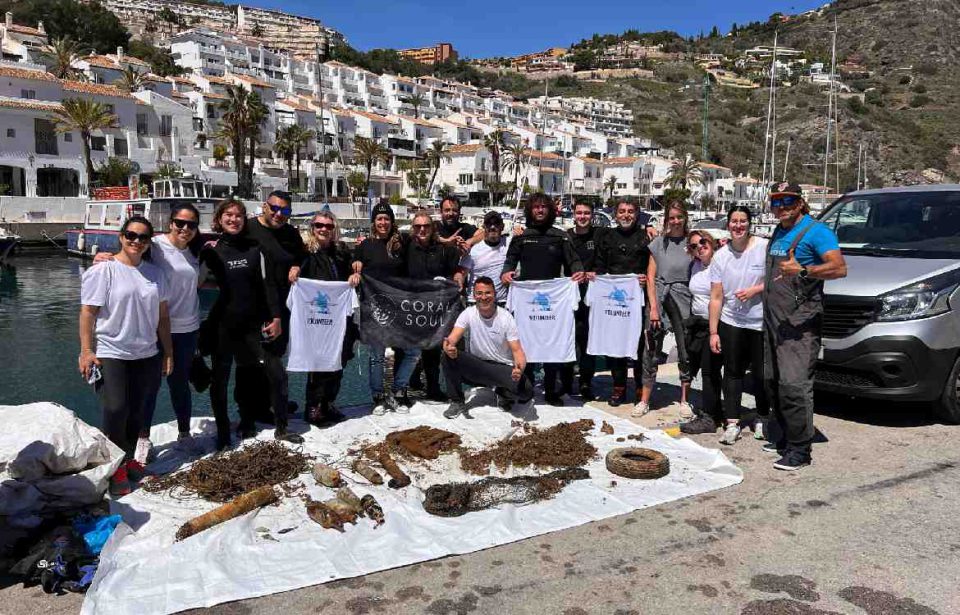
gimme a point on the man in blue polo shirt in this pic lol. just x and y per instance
(801, 254)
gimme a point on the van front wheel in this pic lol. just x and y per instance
(947, 408)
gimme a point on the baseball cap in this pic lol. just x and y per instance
(786, 189)
(492, 218)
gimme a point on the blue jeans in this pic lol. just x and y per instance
(184, 347)
(401, 372)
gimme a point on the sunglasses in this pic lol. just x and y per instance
(284, 210)
(418, 226)
(324, 225)
(784, 201)
(133, 237)
(182, 224)
(698, 244)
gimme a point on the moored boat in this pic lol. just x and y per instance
(8, 243)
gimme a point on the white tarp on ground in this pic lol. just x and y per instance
(50, 459)
(279, 548)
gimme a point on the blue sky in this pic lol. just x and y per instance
(481, 28)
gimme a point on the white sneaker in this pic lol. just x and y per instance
(686, 410)
(380, 406)
(142, 451)
(731, 434)
(758, 430)
(640, 409)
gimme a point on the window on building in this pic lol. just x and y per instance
(45, 135)
(621, 186)
(166, 125)
(98, 144)
(68, 137)
(120, 147)
(110, 108)
(465, 179)
(30, 94)
(11, 133)
(142, 129)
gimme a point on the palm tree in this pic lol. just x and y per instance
(684, 172)
(84, 116)
(436, 155)
(515, 158)
(130, 80)
(233, 129)
(417, 101)
(494, 142)
(284, 147)
(61, 55)
(257, 112)
(301, 138)
(610, 184)
(366, 153)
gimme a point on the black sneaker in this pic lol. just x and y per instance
(616, 398)
(504, 404)
(552, 399)
(586, 393)
(792, 461)
(701, 424)
(774, 448)
(456, 409)
(285, 436)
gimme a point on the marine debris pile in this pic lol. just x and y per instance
(455, 499)
(561, 446)
(223, 477)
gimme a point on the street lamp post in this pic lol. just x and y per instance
(323, 50)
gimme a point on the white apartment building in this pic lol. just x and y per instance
(605, 116)
(585, 176)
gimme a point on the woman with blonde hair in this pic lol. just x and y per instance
(329, 260)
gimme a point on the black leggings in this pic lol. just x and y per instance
(703, 360)
(742, 348)
(124, 390)
(586, 362)
(245, 347)
(323, 388)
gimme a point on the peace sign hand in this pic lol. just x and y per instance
(790, 267)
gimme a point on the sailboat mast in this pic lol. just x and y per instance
(831, 102)
(766, 140)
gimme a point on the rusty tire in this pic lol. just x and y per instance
(634, 462)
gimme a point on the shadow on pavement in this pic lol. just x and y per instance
(874, 412)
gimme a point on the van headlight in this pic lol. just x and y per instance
(930, 297)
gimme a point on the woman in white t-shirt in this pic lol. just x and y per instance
(736, 320)
(123, 313)
(702, 247)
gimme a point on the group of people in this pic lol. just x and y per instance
(748, 306)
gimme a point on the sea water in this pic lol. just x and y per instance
(39, 342)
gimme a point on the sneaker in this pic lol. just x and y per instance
(380, 406)
(774, 448)
(455, 409)
(616, 398)
(792, 461)
(313, 415)
(119, 482)
(135, 471)
(142, 451)
(586, 393)
(701, 424)
(552, 399)
(504, 404)
(641, 408)
(686, 410)
(437, 395)
(332, 415)
(401, 403)
(283, 435)
(731, 434)
(758, 430)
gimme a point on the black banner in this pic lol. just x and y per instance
(406, 313)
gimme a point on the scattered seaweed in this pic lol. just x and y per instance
(225, 476)
(561, 446)
(455, 499)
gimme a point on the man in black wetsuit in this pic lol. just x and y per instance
(544, 253)
(451, 231)
(584, 236)
(284, 249)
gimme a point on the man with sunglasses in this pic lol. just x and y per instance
(284, 250)
(486, 257)
(801, 254)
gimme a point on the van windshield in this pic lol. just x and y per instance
(917, 224)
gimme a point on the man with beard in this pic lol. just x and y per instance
(623, 250)
(284, 250)
(451, 231)
(544, 253)
(486, 258)
(583, 235)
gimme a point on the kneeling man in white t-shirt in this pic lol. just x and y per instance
(494, 357)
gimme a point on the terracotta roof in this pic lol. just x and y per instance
(35, 105)
(26, 30)
(589, 159)
(419, 122)
(373, 116)
(710, 165)
(214, 95)
(94, 88)
(614, 162)
(180, 80)
(110, 61)
(215, 79)
(546, 155)
(469, 148)
(177, 94)
(295, 104)
(252, 81)
(21, 73)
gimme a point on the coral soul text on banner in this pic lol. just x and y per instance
(403, 313)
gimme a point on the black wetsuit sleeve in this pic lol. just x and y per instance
(600, 259)
(271, 291)
(513, 255)
(571, 260)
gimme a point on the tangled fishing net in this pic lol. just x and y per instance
(455, 499)
(223, 477)
(561, 446)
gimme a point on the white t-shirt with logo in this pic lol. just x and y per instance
(129, 300)
(616, 316)
(318, 321)
(736, 271)
(181, 270)
(489, 337)
(486, 260)
(544, 311)
(700, 289)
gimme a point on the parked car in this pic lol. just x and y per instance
(891, 328)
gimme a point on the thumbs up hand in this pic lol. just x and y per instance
(790, 267)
